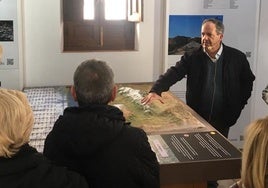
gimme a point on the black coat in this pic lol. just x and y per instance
(29, 169)
(237, 81)
(97, 142)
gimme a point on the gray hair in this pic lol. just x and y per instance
(93, 82)
(219, 25)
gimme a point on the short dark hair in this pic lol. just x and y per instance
(93, 82)
(219, 25)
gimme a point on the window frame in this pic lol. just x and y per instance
(98, 34)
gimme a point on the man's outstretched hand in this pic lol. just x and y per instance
(150, 97)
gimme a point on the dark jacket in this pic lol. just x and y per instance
(97, 142)
(237, 81)
(29, 169)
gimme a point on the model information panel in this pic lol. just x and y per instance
(195, 146)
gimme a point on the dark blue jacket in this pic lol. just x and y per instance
(237, 81)
(97, 142)
(29, 169)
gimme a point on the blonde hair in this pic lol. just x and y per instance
(16, 121)
(255, 155)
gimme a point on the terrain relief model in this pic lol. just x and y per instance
(169, 116)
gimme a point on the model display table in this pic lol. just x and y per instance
(189, 150)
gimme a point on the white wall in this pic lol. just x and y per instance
(260, 109)
(46, 65)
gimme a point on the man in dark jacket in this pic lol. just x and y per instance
(219, 79)
(95, 140)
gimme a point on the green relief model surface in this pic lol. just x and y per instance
(156, 117)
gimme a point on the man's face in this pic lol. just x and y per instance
(210, 39)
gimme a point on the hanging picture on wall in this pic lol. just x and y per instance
(184, 32)
(6, 30)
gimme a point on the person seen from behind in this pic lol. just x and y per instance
(254, 172)
(21, 166)
(94, 138)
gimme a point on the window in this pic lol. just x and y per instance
(115, 9)
(96, 25)
(88, 10)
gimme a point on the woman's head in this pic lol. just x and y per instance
(255, 154)
(16, 121)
